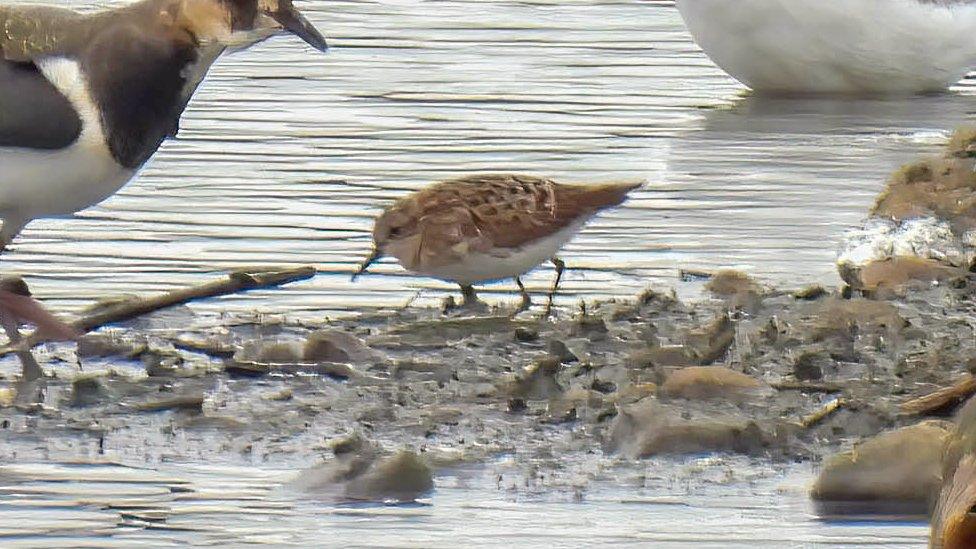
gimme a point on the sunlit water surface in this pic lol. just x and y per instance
(286, 155)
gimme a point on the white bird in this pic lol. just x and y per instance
(866, 47)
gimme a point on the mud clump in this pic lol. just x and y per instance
(648, 428)
(738, 289)
(337, 346)
(360, 472)
(709, 382)
(901, 465)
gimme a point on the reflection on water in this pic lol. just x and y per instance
(285, 155)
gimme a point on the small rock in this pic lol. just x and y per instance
(811, 365)
(88, 390)
(107, 345)
(278, 396)
(537, 381)
(358, 473)
(712, 342)
(896, 273)
(559, 351)
(591, 327)
(813, 291)
(526, 335)
(188, 403)
(270, 352)
(402, 477)
(634, 392)
(516, 405)
(647, 428)
(337, 346)
(708, 382)
(901, 465)
(8, 395)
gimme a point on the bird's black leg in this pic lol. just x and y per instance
(470, 299)
(560, 267)
(526, 299)
(11, 228)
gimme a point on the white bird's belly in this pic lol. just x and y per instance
(836, 46)
(42, 183)
(37, 184)
(503, 263)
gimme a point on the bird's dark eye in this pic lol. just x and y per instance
(394, 232)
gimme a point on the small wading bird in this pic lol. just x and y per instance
(870, 47)
(85, 100)
(484, 228)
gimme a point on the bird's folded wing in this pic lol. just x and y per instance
(33, 113)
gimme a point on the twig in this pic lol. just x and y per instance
(942, 399)
(808, 387)
(235, 282)
(821, 414)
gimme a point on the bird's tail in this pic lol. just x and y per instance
(604, 195)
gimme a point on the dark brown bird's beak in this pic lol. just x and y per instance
(375, 255)
(292, 20)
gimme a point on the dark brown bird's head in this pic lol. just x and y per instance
(242, 23)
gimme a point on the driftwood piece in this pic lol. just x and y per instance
(822, 414)
(942, 400)
(235, 282)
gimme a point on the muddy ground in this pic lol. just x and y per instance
(745, 370)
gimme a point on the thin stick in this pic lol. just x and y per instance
(236, 282)
(822, 414)
(942, 399)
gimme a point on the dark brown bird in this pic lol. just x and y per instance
(85, 100)
(489, 227)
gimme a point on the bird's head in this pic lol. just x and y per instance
(393, 227)
(241, 23)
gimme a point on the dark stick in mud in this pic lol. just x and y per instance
(236, 282)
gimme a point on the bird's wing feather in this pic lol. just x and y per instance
(510, 211)
(33, 113)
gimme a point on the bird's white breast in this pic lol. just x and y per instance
(502, 263)
(836, 46)
(41, 183)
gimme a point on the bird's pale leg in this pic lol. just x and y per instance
(526, 298)
(560, 267)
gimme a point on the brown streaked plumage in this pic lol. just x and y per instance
(488, 227)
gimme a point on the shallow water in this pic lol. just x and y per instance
(75, 505)
(285, 155)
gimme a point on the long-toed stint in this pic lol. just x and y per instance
(488, 227)
(85, 100)
(867, 47)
